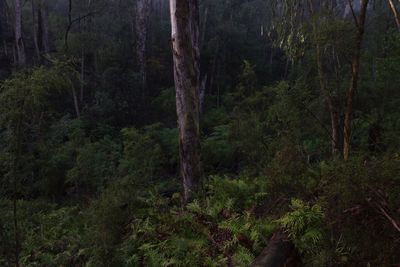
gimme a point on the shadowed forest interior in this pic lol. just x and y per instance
(199, 133)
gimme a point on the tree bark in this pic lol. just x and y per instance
(19, 43)
(355, 69)
(186, 55)
(142, 17)
(395, 13)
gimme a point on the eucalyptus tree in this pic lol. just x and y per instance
(186, 55)
(355, 70)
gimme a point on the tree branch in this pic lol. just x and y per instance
(353, 13)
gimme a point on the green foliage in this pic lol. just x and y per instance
(304, 225)
(209, 232)
(157, 147)
(219, 150)
(102, 188)
(50, 235)
(96, 164)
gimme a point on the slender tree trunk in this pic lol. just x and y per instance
(204, 26)
(330, 103)
(76, 102)
(355, 69)
(395, 13)
(203, 84)
(19, 43)
(69, 26)
(142, 17)
(82, 74)
(2, 20)
(15, 168)
(324, 90)
(43, 25)
(34, 32)
(185, 46)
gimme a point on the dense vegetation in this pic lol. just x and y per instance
(89, 144)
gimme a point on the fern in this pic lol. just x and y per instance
(304, 225)
(243, 257)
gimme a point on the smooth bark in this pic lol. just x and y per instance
(355, 69)
(186, 55)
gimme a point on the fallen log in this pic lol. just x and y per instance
(280, 252)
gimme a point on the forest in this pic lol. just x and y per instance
(262, 133)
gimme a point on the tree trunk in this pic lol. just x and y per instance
(280, 252)
(328, 99)
(334, 115)
(142, 16)
(186, 55)
(34, 32)
(19, 43)
(82, 75)
(395, 13)
(355, 68)
(76, 102)
(203, 84)
(43, 25)
(2, 25)
(204, 26)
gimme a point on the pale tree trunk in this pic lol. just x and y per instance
(185, 46)
(19, 43)
(395, 13)
(355, 69)
(142, 17)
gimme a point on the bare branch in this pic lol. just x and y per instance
(353, 13)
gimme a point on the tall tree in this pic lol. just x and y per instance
(355, 69)
(142, 17)
(186, 55)
(329, 99)
(19, 42)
